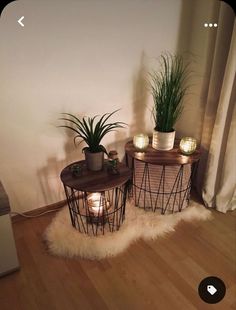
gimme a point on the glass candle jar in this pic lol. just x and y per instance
(113, 162)
(188, 145)
(141, 142)
(96, 203)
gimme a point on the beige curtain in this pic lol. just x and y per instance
(219, 126)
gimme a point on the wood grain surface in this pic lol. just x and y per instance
(93, 181)
(155, 157)
(162, 274)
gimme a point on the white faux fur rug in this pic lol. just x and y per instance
(64, 240)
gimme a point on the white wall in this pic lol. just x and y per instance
(84, 57)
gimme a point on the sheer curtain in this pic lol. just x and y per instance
(219, 124)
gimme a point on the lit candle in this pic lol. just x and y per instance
(96, 203)
(188, 145)
(141, 142)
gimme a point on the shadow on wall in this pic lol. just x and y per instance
(120, 140)
(139, 105)
(186, 26)
(49, 176)
(51, 187)
(139, 102)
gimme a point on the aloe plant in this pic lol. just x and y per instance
(91, 132)
(168, 90)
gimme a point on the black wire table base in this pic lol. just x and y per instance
(106, 215)
(161, 187)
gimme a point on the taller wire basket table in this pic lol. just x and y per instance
(161, 179)
(96, 199)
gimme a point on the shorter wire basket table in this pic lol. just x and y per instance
(96, 199)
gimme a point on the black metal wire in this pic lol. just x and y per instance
(179, 193)
(108, 219)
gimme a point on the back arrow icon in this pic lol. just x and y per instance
(20, 21)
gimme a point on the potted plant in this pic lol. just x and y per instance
(167, 89)
(92, 133)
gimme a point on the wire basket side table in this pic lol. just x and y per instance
(96, 200)
(161, 179)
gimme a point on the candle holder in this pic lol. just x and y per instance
(188, 145)
(141, 142)
(76, 170)
(98, 207)
(112, 163)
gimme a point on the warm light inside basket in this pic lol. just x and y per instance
(188, 145)
(97, 203)
(141, 142)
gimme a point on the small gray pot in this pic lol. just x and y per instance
(94, 161)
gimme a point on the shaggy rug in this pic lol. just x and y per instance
(64, 240)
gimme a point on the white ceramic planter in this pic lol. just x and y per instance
(163, 141)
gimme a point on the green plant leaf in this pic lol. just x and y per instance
(167, 88)
(89, 132)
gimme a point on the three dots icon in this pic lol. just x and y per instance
(210, 25)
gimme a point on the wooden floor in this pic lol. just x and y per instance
(162, 274)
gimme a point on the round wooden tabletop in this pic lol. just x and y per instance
(155, 157)
(94, 181)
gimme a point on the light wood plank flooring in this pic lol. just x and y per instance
(162, 274)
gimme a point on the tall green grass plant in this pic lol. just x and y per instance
(168, 89)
